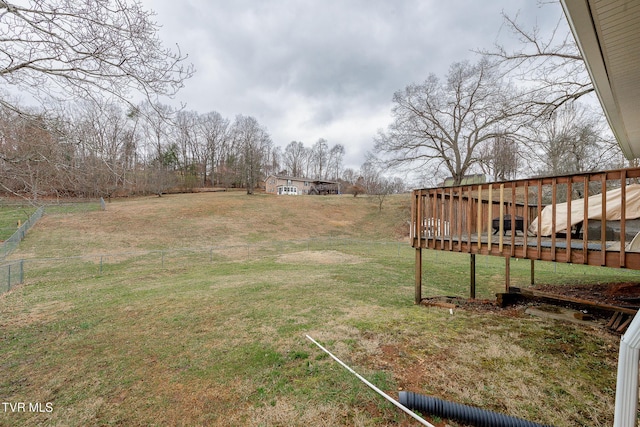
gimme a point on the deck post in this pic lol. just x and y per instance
(472, 290)
(507, 276)
(533, 268)
(418, 298)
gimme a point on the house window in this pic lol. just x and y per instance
(285, 189)
(306, 183)
(288, 182)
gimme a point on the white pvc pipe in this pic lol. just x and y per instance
(627, 383)
(373, 387)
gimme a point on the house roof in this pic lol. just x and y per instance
(293, 178)
(608, 36)
(297, 178)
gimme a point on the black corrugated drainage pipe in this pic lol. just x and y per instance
(462, 413)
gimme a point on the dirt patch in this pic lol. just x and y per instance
(40, 313)
(626, 294)
(621, 294)
(320, 257)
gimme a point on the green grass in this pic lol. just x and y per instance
(216, 335)
(447, 273)
(9, 218)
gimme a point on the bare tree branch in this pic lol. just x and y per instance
(445, 123)
(57, 48)
(552, 66)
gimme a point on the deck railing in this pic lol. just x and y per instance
(500, 218)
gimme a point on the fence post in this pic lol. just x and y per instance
(9, 278)
(12, 242)
(21, 271)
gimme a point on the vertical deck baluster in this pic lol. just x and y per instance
(585, 222)
(513, 218)
(469, 217)
(603, 231)
(554, 199)
(623, 216)
(525, 219)
(539, 231)
(489, 217)
(443, 223)
(569, 194)
(434, 217)
(460, 213)
(452, 221)
(419, 213)
(501, 220)
(479, 224)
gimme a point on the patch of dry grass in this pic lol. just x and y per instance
(320, 258)
(210, 219)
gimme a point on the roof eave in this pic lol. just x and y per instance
(581, 21)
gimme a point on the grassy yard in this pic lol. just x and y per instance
(10, 217)
(133, 331)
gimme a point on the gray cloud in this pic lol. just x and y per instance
(311, 69)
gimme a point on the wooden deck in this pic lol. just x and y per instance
(462, 219)
(540, 249)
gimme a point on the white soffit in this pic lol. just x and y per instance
(608, 35)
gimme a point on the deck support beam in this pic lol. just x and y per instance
(507, 274)
(472, 287)
(533, 269)
(418, 298)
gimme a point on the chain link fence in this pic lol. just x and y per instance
(318, 251)
(15, 272)
(11, 274)
(12, 242)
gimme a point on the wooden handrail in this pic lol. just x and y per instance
(465, 218)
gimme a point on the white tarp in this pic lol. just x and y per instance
(613, 210)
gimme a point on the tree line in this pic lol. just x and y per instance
(106, 149)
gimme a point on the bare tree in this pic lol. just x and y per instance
(83, 48)
(349, 176)
(336, 155)
(104, 136)
(369, 175)
(571, 141)
(295, 155)
(215, 130)
(372, 181)
(190, 147)
(157, 128)
(28, 149)
(320, 158)
(272, 161)
(499, 158)
(442, 124)
(551, 64)
(253, 142)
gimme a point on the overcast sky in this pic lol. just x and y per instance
(327, 69)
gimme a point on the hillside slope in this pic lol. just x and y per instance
(206, 219)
